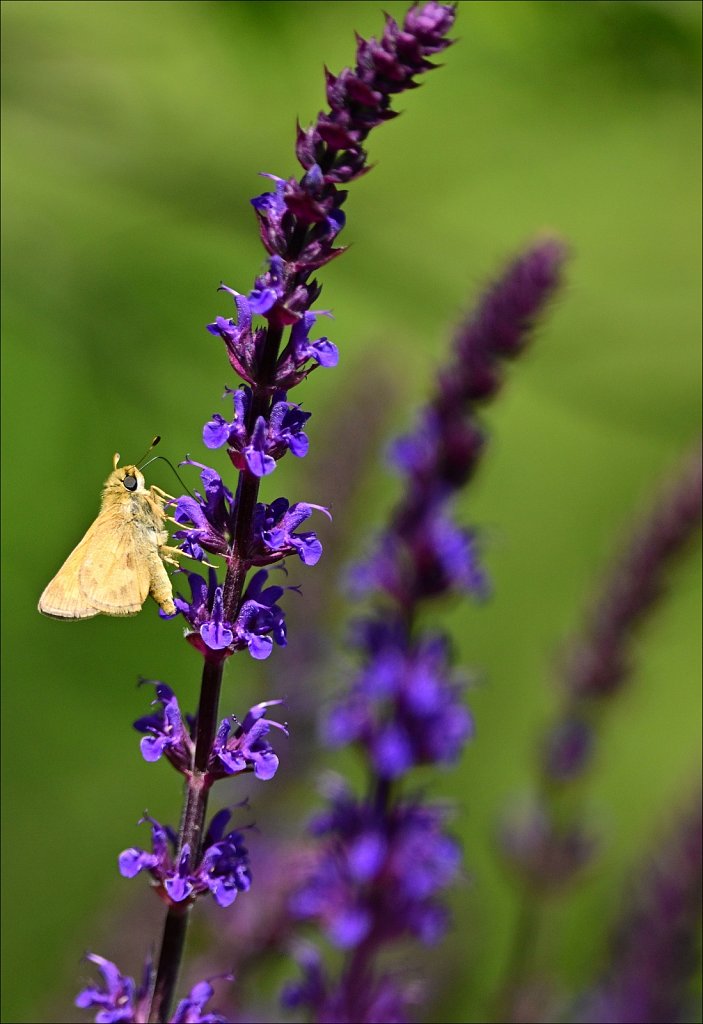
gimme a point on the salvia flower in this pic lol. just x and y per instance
(274, 535)
(205, 520)
(166, 732)
(259, 624)
(244, 747)
(259, 450)
(223, 869)
(299, 222)
(119, 1000)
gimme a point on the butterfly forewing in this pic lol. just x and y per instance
(114, 575)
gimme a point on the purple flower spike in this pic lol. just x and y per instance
(119, 999)
(247, 749)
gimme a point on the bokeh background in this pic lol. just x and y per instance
(133, 134)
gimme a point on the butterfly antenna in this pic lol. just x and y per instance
(151, 447)
(168, 463)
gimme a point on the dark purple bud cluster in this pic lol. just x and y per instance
(119, 1000)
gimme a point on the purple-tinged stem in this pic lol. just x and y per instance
(191, 833)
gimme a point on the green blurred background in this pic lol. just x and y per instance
(133, 136)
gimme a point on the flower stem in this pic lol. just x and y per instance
(172, 946)
(191, 833)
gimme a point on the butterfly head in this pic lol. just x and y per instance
(125, 478)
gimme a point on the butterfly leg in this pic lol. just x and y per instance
(171, 555)
(162, 494)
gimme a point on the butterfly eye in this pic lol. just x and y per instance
(130, 483)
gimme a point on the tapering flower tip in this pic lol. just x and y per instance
(258, 450)
(405, 708)
(223, 869)
(654, 950)
(545, 854)
(275, 536)
(166, 732)
(240, 747)
(119, 999)
(501, 325)
(300, 220)
(379, 875)
(598, 662)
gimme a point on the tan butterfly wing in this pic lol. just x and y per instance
(107, 572)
